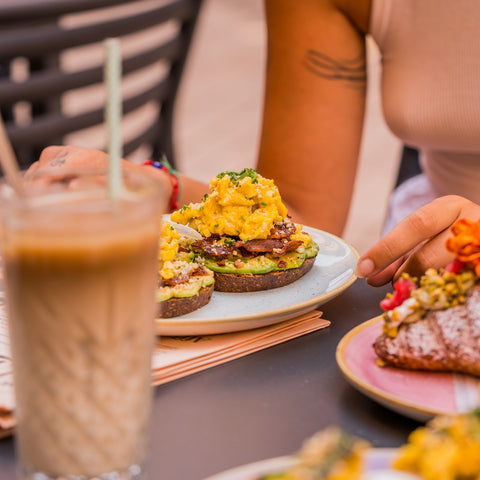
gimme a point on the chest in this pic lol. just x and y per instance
(431, 72)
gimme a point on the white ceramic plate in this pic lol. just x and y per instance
(377, 467)
(415, 394)
(332, 273)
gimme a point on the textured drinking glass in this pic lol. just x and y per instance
(80, 278)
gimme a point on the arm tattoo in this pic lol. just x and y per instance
(353, 72)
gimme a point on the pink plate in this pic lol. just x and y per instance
(415, 394)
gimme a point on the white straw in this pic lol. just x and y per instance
(113, 114)
(9, 162)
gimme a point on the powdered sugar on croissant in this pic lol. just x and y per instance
(434, 324)
(443, 340)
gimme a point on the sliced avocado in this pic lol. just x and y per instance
(255, 265)
(311, 249)
(259, 265)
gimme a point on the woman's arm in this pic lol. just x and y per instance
(313, 112)
(314, 107)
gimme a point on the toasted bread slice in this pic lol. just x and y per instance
(173, 307)
(232, 282)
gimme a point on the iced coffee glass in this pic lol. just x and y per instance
(80, 277)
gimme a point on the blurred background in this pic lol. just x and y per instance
(218, 110)
(218, 117)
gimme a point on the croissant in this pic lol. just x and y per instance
(443, 340)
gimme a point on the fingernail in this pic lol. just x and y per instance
(365, 267)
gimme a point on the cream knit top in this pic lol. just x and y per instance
(431, 85)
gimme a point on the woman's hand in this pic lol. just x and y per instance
(56, 158)
(416, 243)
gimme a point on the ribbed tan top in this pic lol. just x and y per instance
(431, 85)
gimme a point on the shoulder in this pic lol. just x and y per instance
(357, 11)
(300, 15)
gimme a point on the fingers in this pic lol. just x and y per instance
(419, 239)
(386, 275)
(52, 152)
(431, 254)
(57, 157)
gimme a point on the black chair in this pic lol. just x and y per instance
(409, 165)
(51, 71)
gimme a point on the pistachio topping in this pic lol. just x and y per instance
(437, 290)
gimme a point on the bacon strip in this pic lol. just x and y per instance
(176, 280)
(208, 246)
(267, 245)
(220, 251)
(195, 270)
(277, 247)
(282, 230)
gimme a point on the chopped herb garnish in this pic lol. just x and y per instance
(235, 177)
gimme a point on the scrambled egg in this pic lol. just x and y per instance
(303, 236)
(242, 204)
(169, 242)
(447, 448)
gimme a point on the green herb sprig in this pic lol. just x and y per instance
(235, 177)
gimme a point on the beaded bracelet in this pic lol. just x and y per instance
(163, 164)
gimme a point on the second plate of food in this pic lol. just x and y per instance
(377, 468)
(418, 395)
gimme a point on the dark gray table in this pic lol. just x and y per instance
(263, 405)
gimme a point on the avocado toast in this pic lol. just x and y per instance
(184, 285)
(248, 240)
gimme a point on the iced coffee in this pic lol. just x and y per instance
(80, 279)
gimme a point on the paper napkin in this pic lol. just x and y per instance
(177, 357)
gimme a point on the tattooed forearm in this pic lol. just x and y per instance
(353, 72)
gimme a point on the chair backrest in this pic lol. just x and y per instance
(51, 71)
